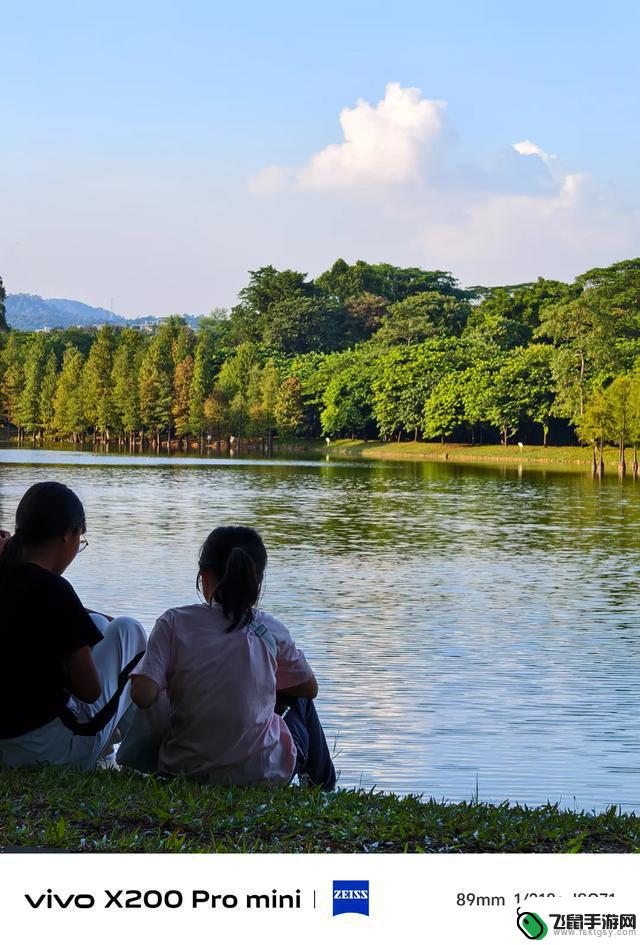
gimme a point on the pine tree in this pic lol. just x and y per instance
(48, 393)
(201, 383)
(97, 391)
(182, 382)
(13, 378)
(68, 407)
(29, 403)
(125, 387)
(155, 382)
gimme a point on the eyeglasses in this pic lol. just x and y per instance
(83, 544)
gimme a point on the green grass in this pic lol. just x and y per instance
(111, 811)
(551, 456)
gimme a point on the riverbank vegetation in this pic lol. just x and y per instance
(372, 351)
(567, 457)
(111, 811)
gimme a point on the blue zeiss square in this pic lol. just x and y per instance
(351, 895)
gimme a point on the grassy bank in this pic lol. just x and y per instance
(110, 811)
(556, 456)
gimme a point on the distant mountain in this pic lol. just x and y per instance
(32, 312)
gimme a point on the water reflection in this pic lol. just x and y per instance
(465, 623)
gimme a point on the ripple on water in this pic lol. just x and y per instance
(470, 628)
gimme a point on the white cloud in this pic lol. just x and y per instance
(395, 190)
(528, 148)
(384, 145)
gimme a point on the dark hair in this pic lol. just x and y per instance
(237, 557)
(47, 510)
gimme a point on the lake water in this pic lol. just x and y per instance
(472, 629)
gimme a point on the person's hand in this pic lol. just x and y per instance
(4, 539)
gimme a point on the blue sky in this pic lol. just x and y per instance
(135, 138)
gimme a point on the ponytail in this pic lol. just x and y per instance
(237, 557)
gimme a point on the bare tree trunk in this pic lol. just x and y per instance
(622, 466)
(634, 466)
(600, 461)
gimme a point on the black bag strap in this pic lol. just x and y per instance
(104, 715)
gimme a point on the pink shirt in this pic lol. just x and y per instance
(222, 689)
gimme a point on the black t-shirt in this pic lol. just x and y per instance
(42, 621)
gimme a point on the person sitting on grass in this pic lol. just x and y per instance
(64, 670)
(224, 694)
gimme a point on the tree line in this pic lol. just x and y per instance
(368, 350)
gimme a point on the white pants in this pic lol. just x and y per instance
(54, 743)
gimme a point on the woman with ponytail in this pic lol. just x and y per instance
(64, 671)
(212, 674)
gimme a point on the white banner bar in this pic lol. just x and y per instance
(96, 898)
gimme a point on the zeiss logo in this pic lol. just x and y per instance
(351, 895)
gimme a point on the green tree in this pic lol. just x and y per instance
(235, 372)
(348, 396)
(288, 408)
(345, 282)
(619, 397)
(509, 316)
(182, 383)
(267, 287)
(97, 384)
(155, 386)
(216, 414)
(634, 416)
(301, 324)
(270, 383)
(593, 427)
(12, 377)
(48, 393)
(365, 314)
(422, 316)
(444, 407)
(69, 416)
(202, 380)
(521, 390)
(125, 383)
(404, 380)
(29, 404)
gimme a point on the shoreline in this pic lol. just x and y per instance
(61, 810)
(553, 458)
(568, 458)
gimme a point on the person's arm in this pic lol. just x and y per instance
(82, 675)
(144, 691)
(305, 690)
(150, 676)
(294, 676)
(71, 635)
